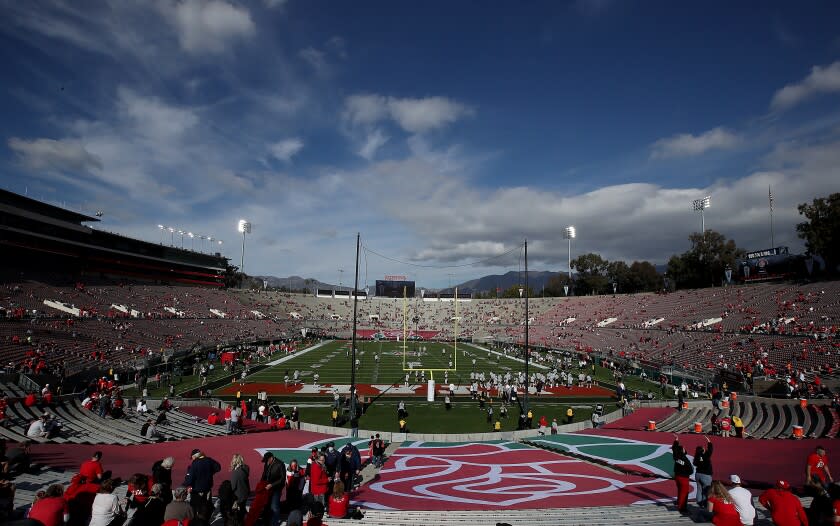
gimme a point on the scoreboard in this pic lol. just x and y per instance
(394, 288)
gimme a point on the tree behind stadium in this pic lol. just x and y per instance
(705, 263)
(820, 231)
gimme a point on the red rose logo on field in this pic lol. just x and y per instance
(498, 475)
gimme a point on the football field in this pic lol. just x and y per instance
(385, 362)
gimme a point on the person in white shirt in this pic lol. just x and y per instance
(152, 432)
(106, 506)
(742, 499)
(37, 429)
(142, 407)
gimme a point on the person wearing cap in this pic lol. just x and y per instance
(274, 477)
(785, 508)
(199, 479)
(743, 501)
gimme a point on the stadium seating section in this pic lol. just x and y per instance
(781, 326)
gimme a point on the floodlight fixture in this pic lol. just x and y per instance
(244, 227)
(702, 204)
(699, 205)
(570, 232)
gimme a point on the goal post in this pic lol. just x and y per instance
(455, 319)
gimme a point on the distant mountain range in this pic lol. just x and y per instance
(536, 280)
(295, 283)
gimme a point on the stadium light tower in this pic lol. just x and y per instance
(700, 205)
(245, 228)
(201, 243)
(162, 229)
(192, 237)
(182, 237)
(171, 236)
(570, 233)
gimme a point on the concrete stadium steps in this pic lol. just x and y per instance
(641, 515)
(747, 412)
(23, 417)
(12, 390)
(28, 484)
(767, 421)
(97, 428)
(181, 426)
(781, 422)
(817, 421)
(683, 421)
(763, 418)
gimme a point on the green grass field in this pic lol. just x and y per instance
(332, 363)
(464, 417)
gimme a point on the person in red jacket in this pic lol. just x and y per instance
(79, 496)
(784, 506)
(319, 481)
(92, 469)
(51, 510)
(30, 400)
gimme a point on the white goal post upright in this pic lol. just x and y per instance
(430, 392)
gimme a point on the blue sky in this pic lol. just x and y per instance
(444, 132)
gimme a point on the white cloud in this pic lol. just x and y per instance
(688, 145)
(373, 142)
(154, 118)
(420, 115)
(820, 80)
(365, 109)
(209, 25)
(60, 155)
(286, 149)
(412, 115)
(316, 59)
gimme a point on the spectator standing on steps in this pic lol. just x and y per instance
(239, 483)
(703, 465)
(274, 475)
(199, 479)
(682, 471)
